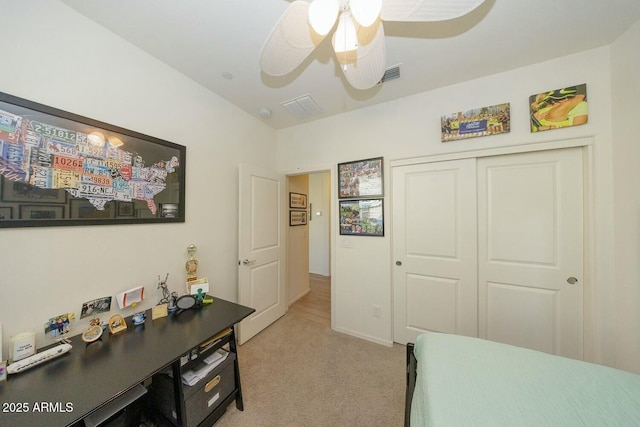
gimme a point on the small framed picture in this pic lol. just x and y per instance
(41, 212)
(125, 209)
(297, 218)
(84, 209)
(169, 210)
(6, 213)
(362, 178)
(363, 217)
(297, 201)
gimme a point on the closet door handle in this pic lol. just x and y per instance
(398, 263)
(572, 280)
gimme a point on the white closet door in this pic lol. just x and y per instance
(530, 247)
(435, 254)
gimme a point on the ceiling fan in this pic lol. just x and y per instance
(358, 39)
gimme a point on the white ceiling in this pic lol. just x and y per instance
(207, 39)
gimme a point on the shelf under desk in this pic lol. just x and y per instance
(92, 375)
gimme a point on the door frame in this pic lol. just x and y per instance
(586, 143)
(333, 225)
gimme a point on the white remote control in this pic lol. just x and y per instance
(38, 358)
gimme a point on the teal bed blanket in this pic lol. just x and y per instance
(464, 381)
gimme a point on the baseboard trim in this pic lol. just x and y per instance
(376, 340)
(298, 297)
(319, 277)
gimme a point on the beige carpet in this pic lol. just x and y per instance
(300, 373)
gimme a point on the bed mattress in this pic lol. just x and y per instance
(466, 381)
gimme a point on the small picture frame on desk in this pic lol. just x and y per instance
(117, 324)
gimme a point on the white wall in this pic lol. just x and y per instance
(410, 127)
(57, 57)
(625, 87)
(319, 225)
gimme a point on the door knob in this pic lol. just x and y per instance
(572, 280)
(398, 263)
(248, 261)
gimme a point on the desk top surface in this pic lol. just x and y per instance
(93, 374)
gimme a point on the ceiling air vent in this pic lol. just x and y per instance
(303, 107)
(391, 73)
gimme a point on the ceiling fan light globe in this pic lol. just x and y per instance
(345, 38)
(322, 15)
(365, 12)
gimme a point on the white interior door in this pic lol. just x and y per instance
(434, 229)
(261, 249)
(530, 220)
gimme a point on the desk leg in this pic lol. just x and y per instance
(178, 394)
(234, 349)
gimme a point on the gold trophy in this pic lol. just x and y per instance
(192, 264)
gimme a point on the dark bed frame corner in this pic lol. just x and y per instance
(411, 383)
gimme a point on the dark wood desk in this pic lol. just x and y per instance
(92, 375)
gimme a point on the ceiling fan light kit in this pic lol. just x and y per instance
(345, 38)
(322, 15)
(358, 40)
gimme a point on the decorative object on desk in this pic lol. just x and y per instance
(138, 317)
(162, 284)
(99, 305)
(127, 298)
(185, 302)
(160, 310)
(74, 152)
(22, 345)
(94, 331)
(361, 178)
(198, 285)
(60, 325)
(117, 324)
(192, 264)
(173, 299)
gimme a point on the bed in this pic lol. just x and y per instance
(460, 381)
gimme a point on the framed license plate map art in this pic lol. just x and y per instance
(364, 217)
(59, 168)
(361, 178)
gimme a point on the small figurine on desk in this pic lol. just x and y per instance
(138, 318)
(192, 264)
(172, 302)
(162, 284)
(94, 331)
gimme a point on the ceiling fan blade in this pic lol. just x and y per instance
(365, 66)
(426, 10)
(290, 41)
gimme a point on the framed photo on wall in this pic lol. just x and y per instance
(364, 217)
(297, 201)
(297, 218)
(361, 178)
(53, 157)
(559, 108)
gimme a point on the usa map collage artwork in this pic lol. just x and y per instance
(52, 157)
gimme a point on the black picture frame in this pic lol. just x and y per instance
(362, 217)
(50, 157)
(297, 217)
(297, 200)
(361, 179)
